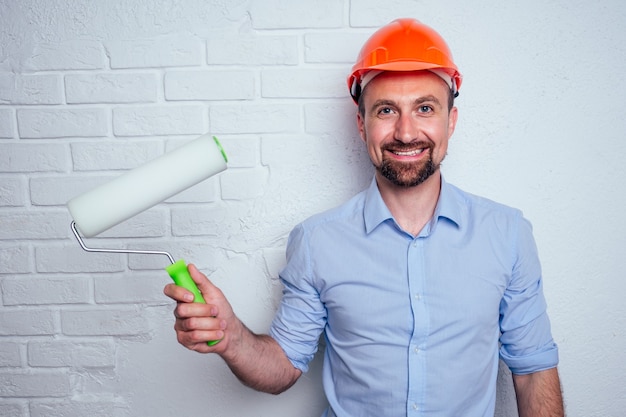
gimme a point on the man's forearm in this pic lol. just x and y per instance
(539, 394)
(259, 362)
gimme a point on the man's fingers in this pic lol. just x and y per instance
(199, 323)
(178, 294)
(183, 295)
(186, 310)
(209, 291)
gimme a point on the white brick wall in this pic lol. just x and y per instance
(42, 123)
(111, 88)
(92, 90)
(31, 89)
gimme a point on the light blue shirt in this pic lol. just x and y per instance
(414, 326)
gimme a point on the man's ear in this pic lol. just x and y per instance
(452, 119)
(360, 124)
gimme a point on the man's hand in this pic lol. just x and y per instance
(197, 323)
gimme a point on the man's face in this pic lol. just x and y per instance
(406, 125)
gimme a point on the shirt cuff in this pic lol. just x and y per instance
(540, 360)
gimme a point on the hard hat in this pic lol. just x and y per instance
(404, 45)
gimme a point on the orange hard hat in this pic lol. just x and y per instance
(404, 45)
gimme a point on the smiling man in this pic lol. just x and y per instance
(406, 122)
(417, 287)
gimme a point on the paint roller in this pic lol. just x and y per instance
(137, 190)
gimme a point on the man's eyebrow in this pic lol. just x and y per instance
(418, 101)
(426, 99)
(382, 102)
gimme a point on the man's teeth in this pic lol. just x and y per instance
(409, 153)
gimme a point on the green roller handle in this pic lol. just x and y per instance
(179, 273)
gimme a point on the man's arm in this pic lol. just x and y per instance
(257, 360)
(539, 394)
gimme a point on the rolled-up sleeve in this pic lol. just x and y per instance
(526, 341)
(301, 316)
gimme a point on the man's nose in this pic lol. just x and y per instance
(406, 128)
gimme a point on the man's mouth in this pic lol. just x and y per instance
(407, 150)
(413, 152)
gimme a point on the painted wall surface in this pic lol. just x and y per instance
(89, 89)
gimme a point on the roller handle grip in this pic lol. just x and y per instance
(180, 275)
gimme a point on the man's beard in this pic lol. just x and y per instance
(406, 174)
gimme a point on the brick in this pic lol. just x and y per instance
(100, 407)
(35, 384)
(62, 123)
(15, 260)
(61, 353)
(111, 88)
(17, 157)
(91, 322)
(168, 51)
(12, 192)
(333, 48)
(10, 355)
(254, 118)
(113, 154)
(7, 123)
(299, 148)
(12, 410)
(134, 287)
(30, 89)
(322, 83)
(283, 14)
(73, 259)
(26, 322)
(238, 49)
(34, 225)
(244, 184)
(159, 120)
(32, 291)
(67, 55)
(209, 85)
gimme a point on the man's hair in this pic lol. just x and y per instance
(361, 102)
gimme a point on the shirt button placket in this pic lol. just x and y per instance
(417, 366)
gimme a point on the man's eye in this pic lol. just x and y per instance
(425, 109)
(385, 110)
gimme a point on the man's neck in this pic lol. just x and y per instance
(411, 207)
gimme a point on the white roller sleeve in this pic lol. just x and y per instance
(135, 191)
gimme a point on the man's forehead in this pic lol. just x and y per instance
(371, 75)
(426, 80)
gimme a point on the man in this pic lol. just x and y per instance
(418, 287)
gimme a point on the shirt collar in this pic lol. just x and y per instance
(376, 212)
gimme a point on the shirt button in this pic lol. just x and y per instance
(417, 350)
(418, 296)
(415, 407)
